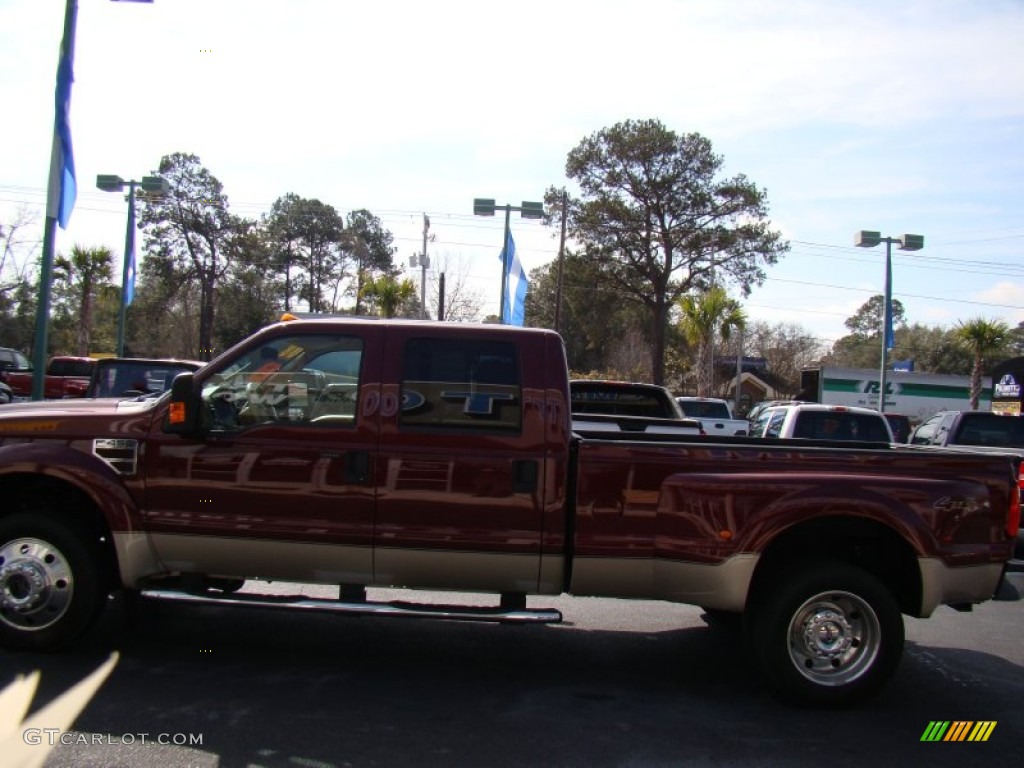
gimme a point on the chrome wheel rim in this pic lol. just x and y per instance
(36, 584)
(834, 638)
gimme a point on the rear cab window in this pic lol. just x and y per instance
(455, 384)
(839, 425)
(704, 409)
(71, 367)
(992, 430)
(638, 400)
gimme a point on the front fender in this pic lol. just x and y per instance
(106, 488)
(88, 473)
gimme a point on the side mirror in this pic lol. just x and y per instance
(184, 407)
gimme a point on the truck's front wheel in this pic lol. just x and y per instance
(826, 633)
(50, 589)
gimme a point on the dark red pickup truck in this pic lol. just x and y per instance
(366, 453)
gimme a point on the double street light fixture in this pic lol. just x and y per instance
(866, 239)
(153, 186)
(486, 207)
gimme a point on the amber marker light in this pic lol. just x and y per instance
(177, 413)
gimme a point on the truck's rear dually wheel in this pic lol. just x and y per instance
(49, 583)
(826, 633)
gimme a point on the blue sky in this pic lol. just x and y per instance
(893, 116)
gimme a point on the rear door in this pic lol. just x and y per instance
(460, 472)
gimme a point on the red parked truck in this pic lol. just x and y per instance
(65, 377)
(442, 456)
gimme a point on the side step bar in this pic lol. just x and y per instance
(396, 608)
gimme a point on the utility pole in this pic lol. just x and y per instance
(561, 260)
(739, 374)
(424, 263)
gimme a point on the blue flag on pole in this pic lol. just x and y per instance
(129, 286)
(63, 188)
(515, 286)
(890, 337)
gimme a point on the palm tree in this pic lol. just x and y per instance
(88, 270)
(388, 292)
(981, 336)
(702, 314)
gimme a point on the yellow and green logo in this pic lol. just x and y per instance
(958, 730)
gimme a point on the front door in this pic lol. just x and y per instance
(279, 483)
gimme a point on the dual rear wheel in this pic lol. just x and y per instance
(825, 633)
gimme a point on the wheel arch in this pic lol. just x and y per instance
(868, 544)
(62, 499)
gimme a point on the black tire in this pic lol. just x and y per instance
(225, 586)
(726, 621)
(50, 586)
(826, 634)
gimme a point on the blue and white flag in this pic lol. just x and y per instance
(129, 272)
(515, 287)
(62, 188)
(890, 337)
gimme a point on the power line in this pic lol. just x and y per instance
(465, 221)
(901, 294)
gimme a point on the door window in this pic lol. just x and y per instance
(302, 380)
(775, 419)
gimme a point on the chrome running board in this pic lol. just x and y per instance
(368, 608)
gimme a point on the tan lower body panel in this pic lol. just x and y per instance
(454, 570)
(135, 557)
(942, 585)
(263, 559)
(332, 564)
(722, 586)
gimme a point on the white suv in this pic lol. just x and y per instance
(816, 421)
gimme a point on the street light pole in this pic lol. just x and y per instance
(504, 263)
(129, 251)
(868, 239)
(151, 185)
(886, 325)
(486, 207)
